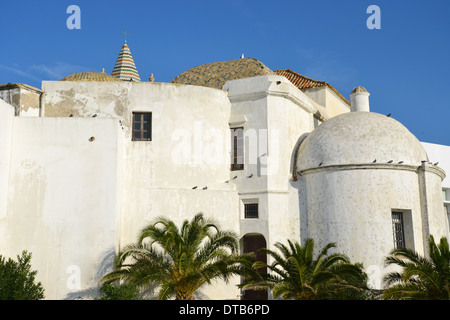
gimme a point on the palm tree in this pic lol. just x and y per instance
(295, 274)
(179, 261)
(421, 278)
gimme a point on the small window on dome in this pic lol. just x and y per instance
(398, 230)
(402, 229)
(142, 126)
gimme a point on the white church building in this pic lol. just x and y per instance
(86, 162)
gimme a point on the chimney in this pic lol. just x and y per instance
(359, 99)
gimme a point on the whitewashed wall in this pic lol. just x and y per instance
(440, 154)
(190, 148)
(6, 130)
(353, 208)
(62, 199)
(77, 201)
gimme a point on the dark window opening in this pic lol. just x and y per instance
(142, 126)
(237, 149)
(398, 229)
(251, 210)
(254, 243)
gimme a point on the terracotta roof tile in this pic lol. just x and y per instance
(303, 82)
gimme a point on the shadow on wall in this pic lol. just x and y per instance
(297, 182)
(293, 165)
(105, 265)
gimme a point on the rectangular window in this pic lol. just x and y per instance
(446, 197)
(142, 126)
(251, 210)
(237, 149)
(398, 229)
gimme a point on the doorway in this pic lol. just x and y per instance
(254, 243)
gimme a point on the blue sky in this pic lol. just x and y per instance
(405, 65)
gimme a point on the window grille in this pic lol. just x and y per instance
(251, 210)
(142, 126)
(398, 230)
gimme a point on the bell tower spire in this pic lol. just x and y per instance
(125, 69)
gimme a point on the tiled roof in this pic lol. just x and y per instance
(215, 74)
(125, 69)
(90, 76)
(303, 82)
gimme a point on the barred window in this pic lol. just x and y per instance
(446, 197)
(398, 229)
(251, 210)
(142, 126)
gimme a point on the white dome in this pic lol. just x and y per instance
(360, 138)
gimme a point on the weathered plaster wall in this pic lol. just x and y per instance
(86, 98)
(189, 148)
(357, 168)
(274, 115)
(81, 200)
(25, 99)
(334, 103)
(62, 199)
(288, 122)
(435, 219)
(440, 154)
(353, 208)
(6, 129)
(11, 95)
(327, 98)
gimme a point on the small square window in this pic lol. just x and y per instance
(251, 210)
(142, 126)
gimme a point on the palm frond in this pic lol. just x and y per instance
(408, 291)
(421, 277)
(294, 274)
(180, 260)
